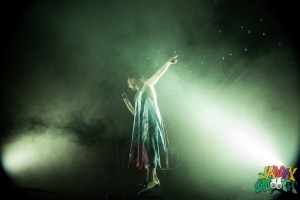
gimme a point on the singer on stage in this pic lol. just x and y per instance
(149, 136)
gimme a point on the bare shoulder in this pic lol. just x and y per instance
(149, 89)
(146, 87)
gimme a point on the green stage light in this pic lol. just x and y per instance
(34, 150)
(249, 144)
(249, 139)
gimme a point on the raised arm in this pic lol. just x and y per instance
(155, 77)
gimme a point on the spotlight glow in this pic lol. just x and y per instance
(17, 158)
(31, 150)
(252, 146)
(246, 139)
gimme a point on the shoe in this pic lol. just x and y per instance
(149, 186)
(143, 185)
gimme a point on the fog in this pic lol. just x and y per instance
(66, 66)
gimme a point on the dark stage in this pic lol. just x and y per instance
(124, 184)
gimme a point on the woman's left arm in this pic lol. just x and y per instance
(155, 77)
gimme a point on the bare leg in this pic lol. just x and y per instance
(147, 177)
(151, 180)
(152, 174)
(156, 178)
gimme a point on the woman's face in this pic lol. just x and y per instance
(131, 83)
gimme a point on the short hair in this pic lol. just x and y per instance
(138, 78)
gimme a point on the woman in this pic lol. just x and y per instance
(148, 134)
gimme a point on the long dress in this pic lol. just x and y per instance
(149, 136)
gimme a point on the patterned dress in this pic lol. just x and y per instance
(149, 136)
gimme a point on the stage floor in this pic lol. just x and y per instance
(124, 184)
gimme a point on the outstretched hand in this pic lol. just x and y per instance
(173, 60)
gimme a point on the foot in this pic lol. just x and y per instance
(158, 182)
(143, 185)
(149, 186)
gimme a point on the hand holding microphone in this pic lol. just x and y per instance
(124, 96)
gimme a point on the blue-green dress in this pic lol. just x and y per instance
(149, 136)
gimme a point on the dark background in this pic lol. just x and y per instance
(65, 65)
